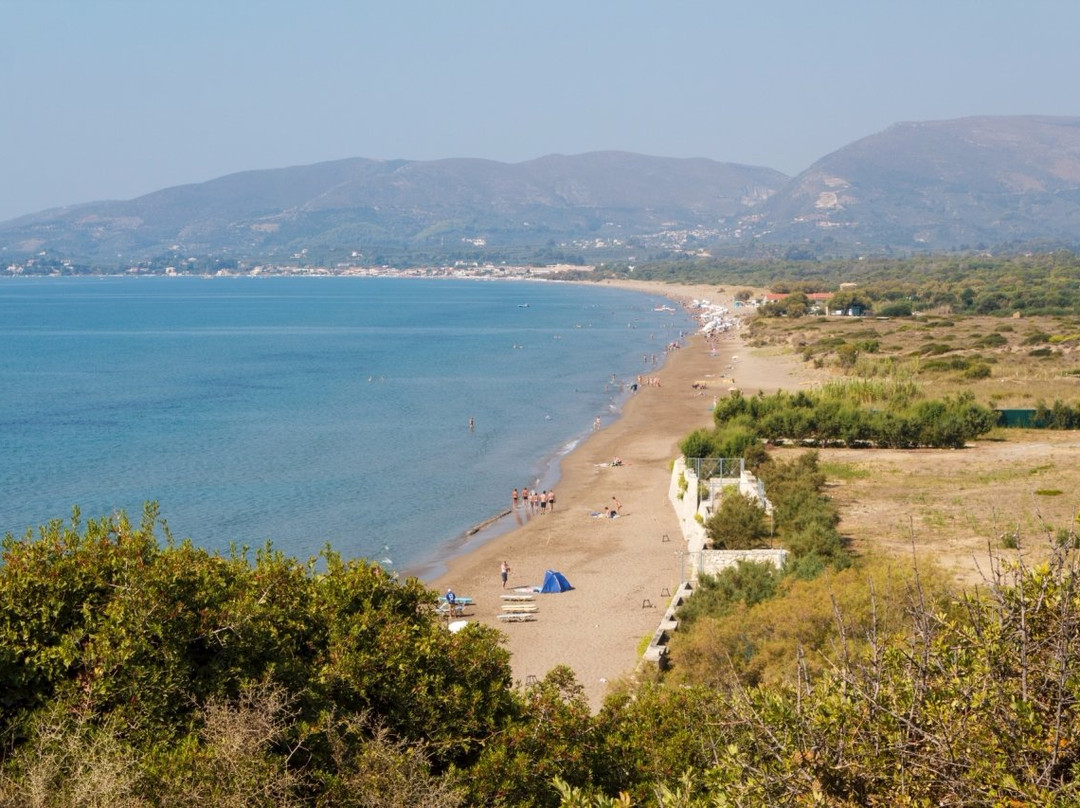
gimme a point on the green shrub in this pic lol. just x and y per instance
(992, 340)
(899, 308)
(979, 371)
(738, 524)
(698, 443)
(748, 583)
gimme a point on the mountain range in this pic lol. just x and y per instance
(981, 182)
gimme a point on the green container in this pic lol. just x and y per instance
(1015, 418)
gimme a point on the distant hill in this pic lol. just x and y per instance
(458, 207)
(940, 184)
(973, 182)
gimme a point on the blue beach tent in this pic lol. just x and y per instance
(555, 582)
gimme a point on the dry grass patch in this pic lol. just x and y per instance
(958, 505)
(1028, 359)
(961, 505)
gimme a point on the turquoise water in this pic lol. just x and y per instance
(305, 411)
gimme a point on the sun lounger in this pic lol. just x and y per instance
(518, 597)
(517, 618)
(519, 607)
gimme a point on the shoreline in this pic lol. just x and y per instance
(623, 569)
(434, 565)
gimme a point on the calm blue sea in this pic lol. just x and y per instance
(306, 411)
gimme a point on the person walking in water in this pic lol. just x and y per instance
(504, 572)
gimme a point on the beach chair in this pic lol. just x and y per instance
(517, 618)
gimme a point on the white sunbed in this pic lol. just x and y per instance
(517, 617)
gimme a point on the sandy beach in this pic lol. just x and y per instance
(624, 569)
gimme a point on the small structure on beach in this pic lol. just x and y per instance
(554, 582)
(687, 485)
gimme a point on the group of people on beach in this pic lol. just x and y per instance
(534, 501)
(609, 511)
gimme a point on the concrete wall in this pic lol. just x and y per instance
(713, 562)
(686, 505)
(696, 559)
(657, 649)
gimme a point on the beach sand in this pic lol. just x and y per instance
(624, 569)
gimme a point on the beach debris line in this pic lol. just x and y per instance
(472, 531)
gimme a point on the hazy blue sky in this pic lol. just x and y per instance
(111, 99)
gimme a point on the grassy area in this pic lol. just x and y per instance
(1016, 486)
(1013, 362)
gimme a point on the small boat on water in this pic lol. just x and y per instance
(523, 305)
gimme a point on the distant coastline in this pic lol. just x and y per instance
(486, 271)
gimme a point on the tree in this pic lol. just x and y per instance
(551, 735)
(850, 299)
(739, 524)
(105, 623)
(698, 443)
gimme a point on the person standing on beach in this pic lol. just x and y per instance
(504, 572)
(616, 507)
(514, 496)
(525, 498)
(551, 501)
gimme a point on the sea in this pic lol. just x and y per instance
(387, 418)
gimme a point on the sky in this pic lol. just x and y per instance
(112, 99)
